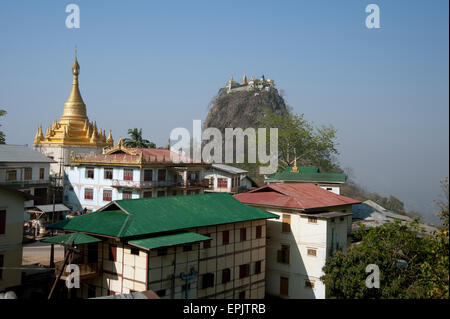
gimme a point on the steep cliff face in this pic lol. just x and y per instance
(243, 108)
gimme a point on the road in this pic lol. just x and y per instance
(38, 252)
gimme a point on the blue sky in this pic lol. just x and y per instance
(157, 65)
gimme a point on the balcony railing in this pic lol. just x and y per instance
(86, 270)
(24, 183)
(141, 184)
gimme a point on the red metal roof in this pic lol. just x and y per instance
(294, 195)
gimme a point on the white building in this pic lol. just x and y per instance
(127, 173)
(26, 170)
(312, 224)
(11, 236)
(225, 179)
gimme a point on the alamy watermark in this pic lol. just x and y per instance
(212, 150)
(373, 280)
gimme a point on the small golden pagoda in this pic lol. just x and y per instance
(74, 127)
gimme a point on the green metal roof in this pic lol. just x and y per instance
(308, 174)
(168, 240)
(163, 214)
(76, 238)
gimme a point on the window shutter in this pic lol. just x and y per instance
(2, 221)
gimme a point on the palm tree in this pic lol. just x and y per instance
(136, 140)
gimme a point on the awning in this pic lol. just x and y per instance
(49, 208)
(77, 238)
(168, 240)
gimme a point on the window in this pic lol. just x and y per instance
(88, 193)
(127, 174)
(232, 182)
(312, 220)
(161, 293)
(162, 251)
(284, 286)
(207, 244)
(112, 252)
(89, 173)
(341, 219)
(107, 195)
(148, 175)
(244, 271)
(2, 260)
(187, 248)
(2, 222)
(329, 189)
(332, 220)
(28, 174)
(108, 173)
(207, 280)
(92, 250)
(134, 251)
(161, 175)
(286, 225)
(258, 231)
(161, 194)
(283, 254)
(147, 194)
(226, 275)
(127, 195)
(42, 173)
(243, 234)
(257, 267)
(309, 284)
(241, 295)
(226, 237)
(312, 252)
(11, 175)
(222, 183)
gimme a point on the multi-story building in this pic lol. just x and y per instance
(11, 236)
(312, 224)
(26, 170)
(196, 246)
(309, 174)
(129, 173)
(72, 133)
(224, 178)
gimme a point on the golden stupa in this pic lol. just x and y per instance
(74, 127)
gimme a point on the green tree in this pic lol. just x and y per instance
(136, 140)
(2, 135)
(412, 265)
(297, 137)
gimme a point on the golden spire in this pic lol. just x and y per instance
(244, 80)
(110, 140)
(74, 108)
(295, 169)
(231, 79)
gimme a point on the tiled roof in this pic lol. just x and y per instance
(308, 174)
(302, 196)
(135, 217)
(21, 154)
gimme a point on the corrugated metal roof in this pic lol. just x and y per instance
(294, 195)
(49, 208)
(308, 174)
(21, 154)
(168, 240)
(229, 169)
(77, 238)
(163, 214)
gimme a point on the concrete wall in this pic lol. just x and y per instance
(302, 267)
(11, 241)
